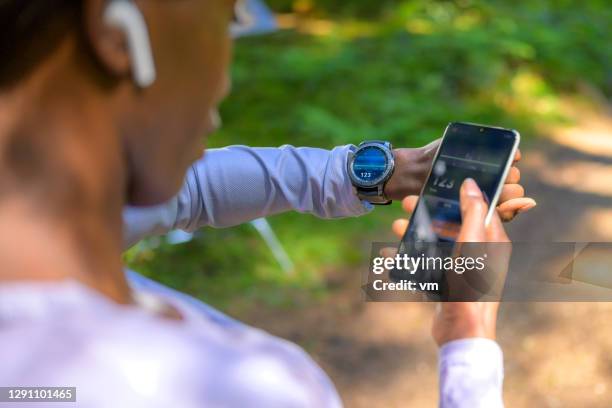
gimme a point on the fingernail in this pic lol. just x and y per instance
(527, 207)
(471, 188)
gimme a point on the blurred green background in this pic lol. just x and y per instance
(342, 71)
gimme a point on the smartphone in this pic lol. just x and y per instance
(483, 153)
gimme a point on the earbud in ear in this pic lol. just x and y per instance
(124, 15)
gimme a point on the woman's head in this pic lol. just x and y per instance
(157, 131)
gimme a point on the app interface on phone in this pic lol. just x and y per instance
(467, 151)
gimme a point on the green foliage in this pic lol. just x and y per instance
(397, 70)
(564, 39)
(222, 264)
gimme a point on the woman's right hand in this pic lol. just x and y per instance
(459, 320)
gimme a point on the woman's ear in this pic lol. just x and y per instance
(119, 36)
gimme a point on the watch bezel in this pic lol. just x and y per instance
(386, 174)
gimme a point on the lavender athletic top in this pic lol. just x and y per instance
(65, 334)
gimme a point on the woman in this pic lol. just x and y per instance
(86, 127)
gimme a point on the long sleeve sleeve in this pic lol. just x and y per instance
(471, 374)
(236, 184)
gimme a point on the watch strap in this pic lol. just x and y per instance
(374, 195)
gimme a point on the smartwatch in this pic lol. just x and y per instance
(370, 165)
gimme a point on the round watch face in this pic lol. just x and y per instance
(370, 165)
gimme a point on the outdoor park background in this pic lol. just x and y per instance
(343, 71)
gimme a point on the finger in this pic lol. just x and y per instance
(506, 216)
(509, 209)
(518, 155)
(473, 212)
(511, 191)
(409, 203)
(495, 231)
(387, 252)
(399, 227)
(514, 176)
(433, 145)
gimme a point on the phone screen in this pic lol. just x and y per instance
(479, 152)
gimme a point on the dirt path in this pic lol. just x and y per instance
(559, 354)
(556, 354)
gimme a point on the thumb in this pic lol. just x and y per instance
(473, 213)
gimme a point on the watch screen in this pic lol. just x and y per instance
(370, 164)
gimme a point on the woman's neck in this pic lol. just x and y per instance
(37, 248)
(62, 185)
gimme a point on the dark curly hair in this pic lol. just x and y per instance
(30, 30)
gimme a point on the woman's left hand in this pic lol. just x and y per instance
(412, 167)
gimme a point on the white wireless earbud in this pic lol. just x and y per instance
(124, 14)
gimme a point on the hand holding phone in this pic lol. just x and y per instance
(459, 320)
(483, 153)
(467, 151)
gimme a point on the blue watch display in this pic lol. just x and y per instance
(370, 165)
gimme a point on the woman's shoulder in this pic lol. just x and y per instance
(139, 356)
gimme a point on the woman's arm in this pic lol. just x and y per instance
(470, 361)
(237, 184)
(471, 373)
